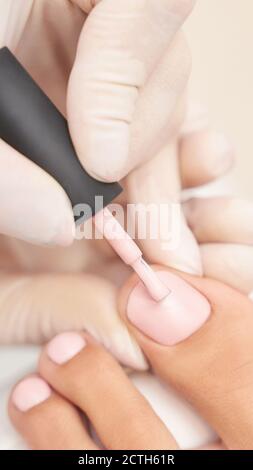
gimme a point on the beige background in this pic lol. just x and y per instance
(221, 38)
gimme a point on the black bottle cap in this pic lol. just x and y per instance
(30, 123)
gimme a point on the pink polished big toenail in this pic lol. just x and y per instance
(30, 392)
(65, 346)
(173, 319)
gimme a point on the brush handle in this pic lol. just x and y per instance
(31, 124)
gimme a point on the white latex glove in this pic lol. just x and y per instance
(122, 67)
(127, 81)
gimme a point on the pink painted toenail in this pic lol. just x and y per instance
(65, 346)
(30, 392)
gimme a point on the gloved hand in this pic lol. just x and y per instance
(122, 67)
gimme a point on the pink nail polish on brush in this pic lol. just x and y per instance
(130, 253)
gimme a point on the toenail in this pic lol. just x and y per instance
(65, 346)
(30, 392)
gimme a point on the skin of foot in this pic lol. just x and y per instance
(76, 373)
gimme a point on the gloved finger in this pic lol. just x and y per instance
(162, 103)
(35, 308)
(220, 219)
(196, 118)
(121, 44)
(204, 156)
(86, 5)
(162, 231)
(229, 263)
(200, 162)
(33, 206)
